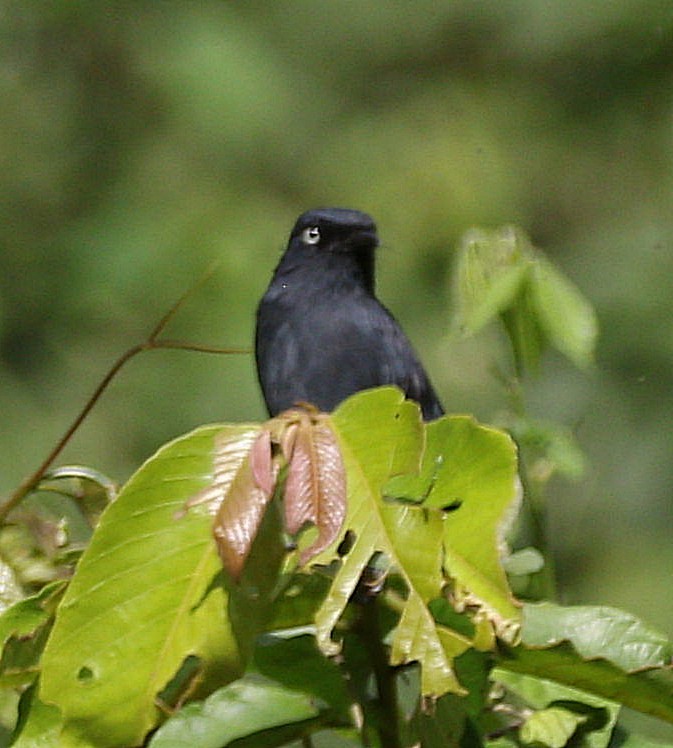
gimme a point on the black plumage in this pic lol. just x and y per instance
(322, 334)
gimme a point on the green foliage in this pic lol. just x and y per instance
(501, 274)
(143, 593)
(391, 622)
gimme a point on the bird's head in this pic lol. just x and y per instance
(338, 231)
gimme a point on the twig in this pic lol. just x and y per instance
(152, 343)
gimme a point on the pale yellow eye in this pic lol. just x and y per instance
(311, 235)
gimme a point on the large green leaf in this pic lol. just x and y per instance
(649, 691)
(142, 600)
(381, 435)
(470, 472)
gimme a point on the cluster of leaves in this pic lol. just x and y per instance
(336, 579)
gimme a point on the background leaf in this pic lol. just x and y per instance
(492, 267)
(566, 317)
(597, 631)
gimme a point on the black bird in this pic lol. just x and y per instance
(322, 334)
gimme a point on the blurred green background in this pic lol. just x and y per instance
(141, 141)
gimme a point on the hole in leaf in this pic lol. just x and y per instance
(85, 674)
(347, 543)
(182, 684)
(452, 506)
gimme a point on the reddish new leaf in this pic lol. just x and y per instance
(242, 503)
(302, 484)
(315, 490)
(287, 438)
(261, 463)
(245, 473)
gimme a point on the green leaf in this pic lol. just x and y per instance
(24, 618)
(525, 335)
(566, 317)
(39, 724)
(470, 471)
(525, 561)
(243, 708)
(481, 474)
(23, 631)
(650, 691)
(276, 657)
(599, 715)
(554, 443)
(492, 268)
(381, 435)
(141, 601)
(444, 726)
(597, 631)
(637, 741)
(551, 727)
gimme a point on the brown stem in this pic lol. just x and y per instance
(152, 343)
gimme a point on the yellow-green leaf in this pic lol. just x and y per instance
(141, 601)
(565, 316)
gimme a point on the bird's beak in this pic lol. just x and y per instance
(363, 240)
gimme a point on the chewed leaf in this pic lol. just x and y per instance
(381, 435)
(472, 470)
(142, 600)
(418, 638)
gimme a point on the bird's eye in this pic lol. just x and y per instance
(311, 235)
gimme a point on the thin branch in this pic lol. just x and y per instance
(152, 343)
(162, 324)
(179, 345)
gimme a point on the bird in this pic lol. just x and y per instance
(321, 333)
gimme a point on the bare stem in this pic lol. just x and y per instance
(152, 343)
